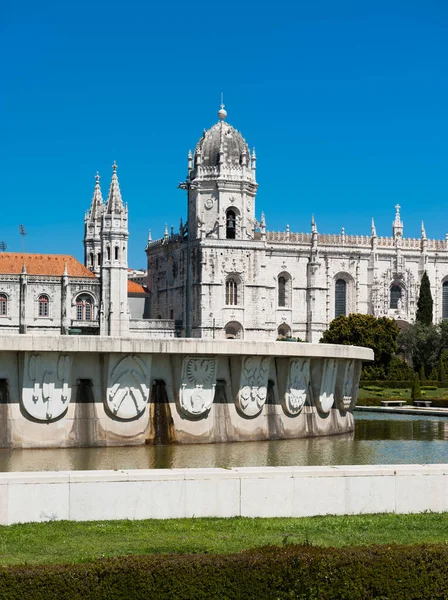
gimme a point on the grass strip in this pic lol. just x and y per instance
(72, 542)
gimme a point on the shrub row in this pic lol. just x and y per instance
(435, 402)
(400, 384)
(290, 571)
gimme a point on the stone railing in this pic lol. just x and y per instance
(152, 328)
(340, 239)
(175, 237)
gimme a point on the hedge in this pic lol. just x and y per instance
(383, 383)
(291, 571)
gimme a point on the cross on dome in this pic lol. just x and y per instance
(222, 113)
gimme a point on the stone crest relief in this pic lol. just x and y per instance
(253, 385)
(198, 383)
(297, 388)
(327, 385)
(347, 394)
(128, 385)
(46, 387)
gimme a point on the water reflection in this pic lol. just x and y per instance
(378, 439)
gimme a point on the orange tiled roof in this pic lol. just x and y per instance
(11, 263)
(136, 288)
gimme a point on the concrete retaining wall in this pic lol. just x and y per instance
(69, 391)
(247, 492)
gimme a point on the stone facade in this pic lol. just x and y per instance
(55, 294)
(225, 276)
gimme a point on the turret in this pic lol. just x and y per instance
(221, 185)
(92, 230)
(397, 225)
(114, 269)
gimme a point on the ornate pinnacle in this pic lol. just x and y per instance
(114, 200)
(423, 231)
(96, 206)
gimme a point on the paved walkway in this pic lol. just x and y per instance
(405, 410)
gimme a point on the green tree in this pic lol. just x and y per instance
(416, 393)
(365, 330)
(420, 345)
(424, 304)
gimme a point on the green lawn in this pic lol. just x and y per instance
(67, 542)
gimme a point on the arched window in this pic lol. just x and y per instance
(231, 292)
(282, 291)
(84, 308)
(445, 300)
(108, 253)
(3, 305)
(395, 296)
(116, 252)
(283, 331)
(233, 331)
(230, 225)
(44, 305)
(99, 259)
(91, 259)
(340, 297)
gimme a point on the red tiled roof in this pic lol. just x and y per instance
(11, 263)
(136, 288)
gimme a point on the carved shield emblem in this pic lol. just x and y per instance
(197, 388)
(347, 388)
(327, 385)
(128, 385)
(253, 385)
(46, 389)
(297, 388)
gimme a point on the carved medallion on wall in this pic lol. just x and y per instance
(327, 385)
(253, 385)
(209, 203)
(297, 387)
(198, 383)
(46, 389)
(128, 385)
(347, 387)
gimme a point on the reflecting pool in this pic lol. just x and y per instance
(378, 439)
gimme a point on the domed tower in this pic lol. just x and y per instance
(222, 185)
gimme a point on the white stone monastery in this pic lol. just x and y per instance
(224, 275)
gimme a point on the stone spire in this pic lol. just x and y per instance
(373, 229)
(253, 160)
(97, 205)
(114, 200)
(314, 238)
(424, 245)
(397, 225)
(423, 231)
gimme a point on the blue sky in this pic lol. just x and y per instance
(346, 104)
